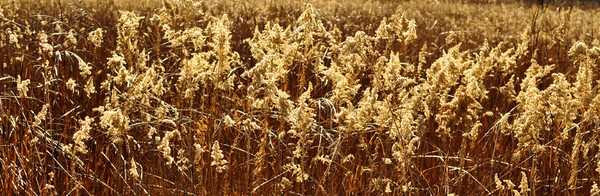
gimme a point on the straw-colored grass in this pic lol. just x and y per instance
(185, 97)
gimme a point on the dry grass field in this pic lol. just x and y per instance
(286, 97)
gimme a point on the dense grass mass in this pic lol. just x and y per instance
(280, 97)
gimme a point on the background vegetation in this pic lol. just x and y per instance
(270, 97)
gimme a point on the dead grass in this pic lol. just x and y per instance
(184, 97)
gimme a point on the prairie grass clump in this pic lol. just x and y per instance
(301, 98)
(22, 86)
